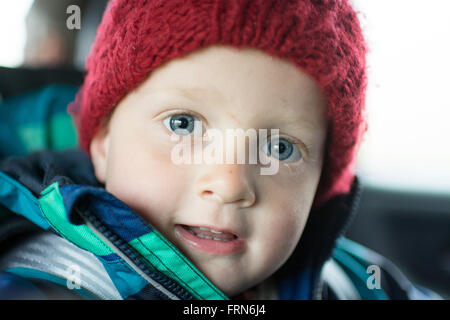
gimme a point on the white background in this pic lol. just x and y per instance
(408, 102)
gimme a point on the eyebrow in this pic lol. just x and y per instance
(299, 123)
(293, 121)
(198, 93)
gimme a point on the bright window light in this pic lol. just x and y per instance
(407, 145)
(12, 31)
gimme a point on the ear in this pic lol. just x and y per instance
(99, 152)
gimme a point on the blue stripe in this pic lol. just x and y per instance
(110, 258)
(297, 287)
(15, 287)
(119, 217)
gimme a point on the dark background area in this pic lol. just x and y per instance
(412, 229)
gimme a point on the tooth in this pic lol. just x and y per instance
(216, 232)
(215, 238)
(203, 236)
(203, 228)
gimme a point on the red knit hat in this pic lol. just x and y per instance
(321, 37)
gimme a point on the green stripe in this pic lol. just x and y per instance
(58, 134)
(62, 132)
(52, 207)
(162, 255)
(32, 136)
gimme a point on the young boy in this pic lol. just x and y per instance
(147, 226)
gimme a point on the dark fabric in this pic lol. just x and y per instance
(13, 287)
(14, 228)
(40, 169)
(392, 284)
(148, 293)
(15, 81)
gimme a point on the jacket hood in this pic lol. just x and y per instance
(58, 191)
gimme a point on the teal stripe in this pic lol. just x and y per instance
(20, 200)
(56, 134)
(33, 136)
(358, 273)
(62, 132)
(53, 208)
(356, 250)
(37, 119)
(163, 256)
(127, 281)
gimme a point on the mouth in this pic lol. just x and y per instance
(209, 239)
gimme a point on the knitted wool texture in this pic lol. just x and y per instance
(321, 37)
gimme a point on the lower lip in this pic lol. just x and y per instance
(210, 246)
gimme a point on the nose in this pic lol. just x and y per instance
(227, 183)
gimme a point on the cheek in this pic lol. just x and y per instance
(144, 177)
(280, 225)
(282, 230)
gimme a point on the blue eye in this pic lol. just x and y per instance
(283, 150)
(183, 124)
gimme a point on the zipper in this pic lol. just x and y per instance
(168, 288)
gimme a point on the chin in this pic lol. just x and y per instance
(222, 282)
(235, 288)
(231, 292)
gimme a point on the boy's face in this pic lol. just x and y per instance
(224, 88)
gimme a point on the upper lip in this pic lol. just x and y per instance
(220, 229)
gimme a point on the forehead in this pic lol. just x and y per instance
(244, 82)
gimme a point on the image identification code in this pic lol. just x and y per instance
(231, 309)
